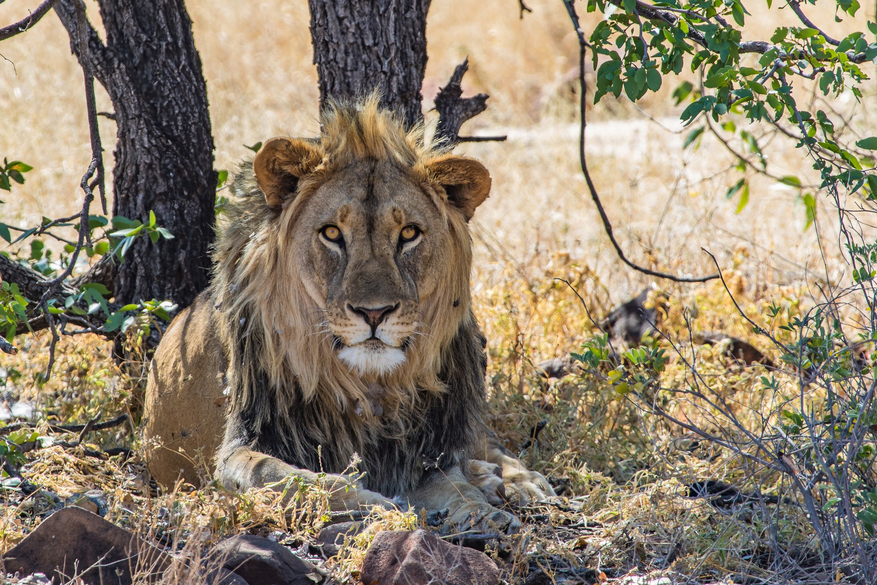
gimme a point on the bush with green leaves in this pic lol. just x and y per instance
(824, 438)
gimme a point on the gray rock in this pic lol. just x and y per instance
(260, 561)
(73, 541)
(418, 558)
(331, 538)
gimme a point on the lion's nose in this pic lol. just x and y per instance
(374, 317)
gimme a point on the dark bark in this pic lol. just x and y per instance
(164, 153)
(454, 109)
(361, 46)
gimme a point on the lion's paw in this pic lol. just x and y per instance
(483, 518)
(487, 477)
(524, 487)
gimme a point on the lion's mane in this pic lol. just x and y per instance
(291, 396)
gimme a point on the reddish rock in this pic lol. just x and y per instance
(418, 558)
(73, 541)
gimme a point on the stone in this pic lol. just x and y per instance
(331, 537)
(260, 561)
(418, 558)
(73, 541)
(222, 576)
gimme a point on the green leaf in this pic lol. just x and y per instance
(682, 92)
(151, 218)
(102, 247)
(806, 33)
(869, 143)
(221, 178)
(128, 232)
(737, 13)
(810, 206)
(779, 35)
(791, 180)
(733, 189)
(692, 136)
(654, 79)
(255, 147)
(114, 321)
(744, 198)
(19, 166)
(96, 221)
(4, 232)
(872, 185)
(122, 222)
(165, 233)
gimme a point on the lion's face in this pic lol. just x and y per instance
(376, 244)
(371, 247)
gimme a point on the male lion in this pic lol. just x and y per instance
(339, 325)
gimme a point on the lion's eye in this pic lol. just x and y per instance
(409, 234)
(332, 233)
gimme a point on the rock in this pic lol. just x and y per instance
(418, 558)
(73, 541)
(220, 576)
(260, 561)
(331, 538)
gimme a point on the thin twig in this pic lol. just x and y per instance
(95, 426)
(482, 138)
(607, 225)
(90, 102)
(796, 8)
(524, 8)
(26, 23)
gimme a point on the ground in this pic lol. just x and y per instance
(625, 472)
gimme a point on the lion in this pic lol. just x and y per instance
(338, 327)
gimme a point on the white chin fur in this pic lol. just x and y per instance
(366, 360)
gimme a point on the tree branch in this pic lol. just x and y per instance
(31, 283)
(653, 13)
(453, 109)
(26, 23)
(97, 56)
(795, 5)
(607, 225)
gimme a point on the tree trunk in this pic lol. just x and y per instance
(164, 153)
(360, 46)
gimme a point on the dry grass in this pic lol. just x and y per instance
(625, 470)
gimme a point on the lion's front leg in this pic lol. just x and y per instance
(467, 507)
(520, 486)
(245, 468)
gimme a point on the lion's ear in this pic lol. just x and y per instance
(465, 180)
(279, 165)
